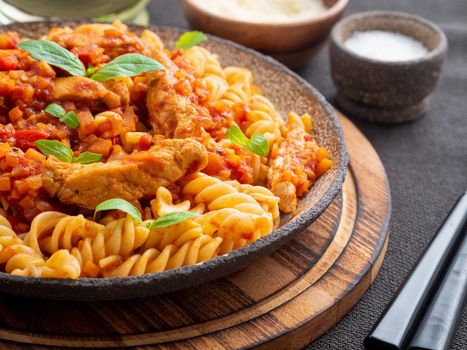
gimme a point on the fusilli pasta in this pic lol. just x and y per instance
(152, 260)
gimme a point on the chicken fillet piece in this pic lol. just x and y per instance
(291, 168)
(170, 113)
(136, 176)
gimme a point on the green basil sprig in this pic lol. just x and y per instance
(127, 65)
(64, 153)
(54, 55)
(55, 148)
(87, 158)
(119, 204)
(69, 118)
(190, 39)
(257, 144)
(172, 219)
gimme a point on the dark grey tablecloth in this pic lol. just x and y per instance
(426, 161)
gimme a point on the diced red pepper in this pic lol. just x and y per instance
(8, 62)
(25, 138)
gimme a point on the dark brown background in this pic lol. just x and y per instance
(426, 161)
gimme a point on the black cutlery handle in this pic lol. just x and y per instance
(437, 328)
(397, 324)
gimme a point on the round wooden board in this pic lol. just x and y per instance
(284, 300)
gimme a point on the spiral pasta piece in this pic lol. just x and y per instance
(21, 260)
(236, 228)
(263, 196)
(177, 234)
(203, 62)
(263, 119)
(122, 236)
(241, 77)
(52, 230)
(302, 122)
(216, 194)
(206, 66)
(217, 87)
(152, 260)
(234, 215)
(163, 204)
(61, 264)
(8, 237)
(235, 94)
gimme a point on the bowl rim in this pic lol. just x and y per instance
(438, 51)
(299, 222)
(331, 12)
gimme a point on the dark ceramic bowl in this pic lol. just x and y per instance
(383, 91)
(291, 43)
(288, 92)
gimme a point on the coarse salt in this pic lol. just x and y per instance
(385, 45)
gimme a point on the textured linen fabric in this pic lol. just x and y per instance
(426, 161)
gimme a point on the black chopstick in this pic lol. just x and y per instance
(397, 324)
(437, 328)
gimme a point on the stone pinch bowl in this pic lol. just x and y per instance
(384, 91)
(288, 92)
(290, 43)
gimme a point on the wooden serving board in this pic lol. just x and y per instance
(283, 301)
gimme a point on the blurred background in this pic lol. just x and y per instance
(101, 10)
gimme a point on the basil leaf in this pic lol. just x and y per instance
(87, 158)
(54, 55)
(258, 145)
(55, 148)
(120, 204)
(127, 65)
(236, 135)
(172, 219)
(55, 110)
(70, 119)
(190, 39)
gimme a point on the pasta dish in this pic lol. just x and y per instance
(122, 157)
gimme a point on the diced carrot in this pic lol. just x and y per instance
(4, 149)
(216, 163)
(101, 146)
(90, 269)
(15, 114)
(8, 40)
(11, 160)
(323, 166)
(322, 153)
(27, 203)
(28, 94)
(32, 154)
(5, 183)
(34, 182)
